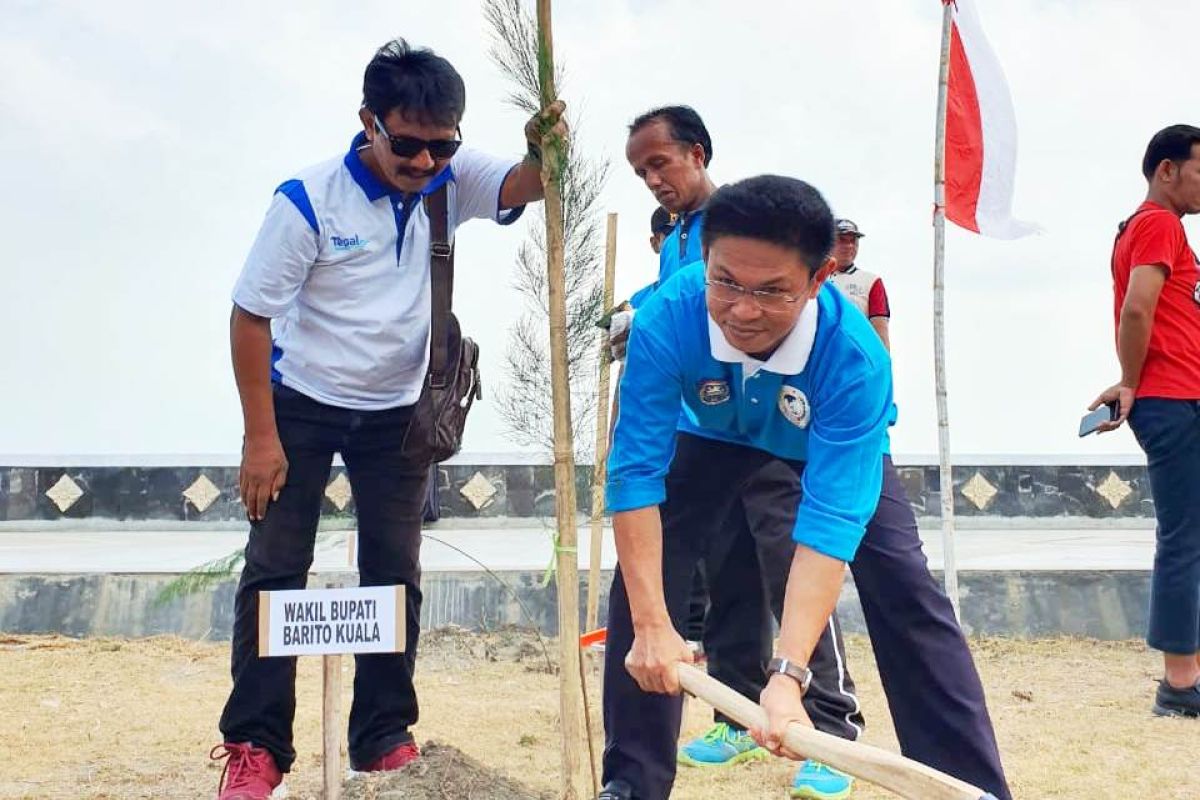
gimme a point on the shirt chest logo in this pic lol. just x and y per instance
(794, 406)
(713, 393)
(343, 244)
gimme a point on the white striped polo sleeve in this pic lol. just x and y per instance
(478, 179)
(282, 254)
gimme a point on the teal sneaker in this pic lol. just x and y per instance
(721, 746)
(816, 781)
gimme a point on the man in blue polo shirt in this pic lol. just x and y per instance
(330, 340)
(670, 149)
(771, 367)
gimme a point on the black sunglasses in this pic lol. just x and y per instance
(411, 146)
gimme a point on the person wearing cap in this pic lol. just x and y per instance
(864, 289)
(670, 148)
(773, 370)
(661, 225)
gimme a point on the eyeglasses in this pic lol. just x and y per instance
(769, 300)
(411, 146)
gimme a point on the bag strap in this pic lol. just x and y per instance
(441, 273)
(1121, 229)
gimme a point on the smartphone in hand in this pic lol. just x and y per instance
(1092, 421)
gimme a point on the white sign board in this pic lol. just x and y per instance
(308, 622)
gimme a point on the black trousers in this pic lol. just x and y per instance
(389, 492)
(933, 689)
(739, 631)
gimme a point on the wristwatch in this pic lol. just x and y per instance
(797, 672)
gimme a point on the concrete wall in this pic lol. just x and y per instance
(1104, 605)
(209, 494)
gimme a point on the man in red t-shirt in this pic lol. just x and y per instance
(864, 289)
(1156, 283)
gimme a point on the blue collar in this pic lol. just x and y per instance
(372, 187)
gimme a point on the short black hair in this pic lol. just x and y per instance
(660, 221)
(417, 82)
(771, 208)
(685, 124)
(1173, 143)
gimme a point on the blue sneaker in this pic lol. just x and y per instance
(816, 781)
(721, 746)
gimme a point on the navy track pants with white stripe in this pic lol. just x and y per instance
(738, 630)
(933, 690)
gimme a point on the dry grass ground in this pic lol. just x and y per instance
(135, 719)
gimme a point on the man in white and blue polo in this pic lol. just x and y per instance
(771, 367)
(330, 339)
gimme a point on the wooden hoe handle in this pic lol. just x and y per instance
(907, 778)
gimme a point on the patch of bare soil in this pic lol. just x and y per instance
(442, 773)
(134, 719)
(454, 647)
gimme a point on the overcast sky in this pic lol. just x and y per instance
(140, 143)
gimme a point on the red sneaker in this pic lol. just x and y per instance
(250, 772)
(399, 756)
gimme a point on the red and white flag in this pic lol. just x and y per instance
(981, 133)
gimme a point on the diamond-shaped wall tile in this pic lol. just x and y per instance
(478, 491)
(202, 493)
(64, 493)
(1114, 489)
(979, 491)
(338, 492)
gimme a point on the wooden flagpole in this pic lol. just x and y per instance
(600, 468)
(574, 785)
(949, 567)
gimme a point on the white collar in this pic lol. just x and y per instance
(790, 358)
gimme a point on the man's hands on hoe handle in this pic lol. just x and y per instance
(652, 662)
(782, 699)
(652, 659)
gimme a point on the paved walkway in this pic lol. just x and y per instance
(518, 549)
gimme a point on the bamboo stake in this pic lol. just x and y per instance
(600, 468)
(331, 728)
(331, 702)
(574, 774)
(949, 565)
